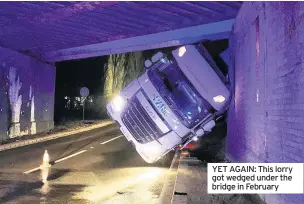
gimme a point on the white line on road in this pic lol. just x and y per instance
(59, 160)
(72, 155)
(111, 139)
(32, 170)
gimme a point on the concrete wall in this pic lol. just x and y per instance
(27, 89)
(266, 119)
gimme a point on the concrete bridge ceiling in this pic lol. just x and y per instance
(64, 30)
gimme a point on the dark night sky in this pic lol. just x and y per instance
(74, 74)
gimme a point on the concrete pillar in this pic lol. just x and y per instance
(266, 118)
(26, 94)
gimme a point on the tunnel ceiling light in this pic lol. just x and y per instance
(181, 51)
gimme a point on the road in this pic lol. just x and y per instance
(97, 166)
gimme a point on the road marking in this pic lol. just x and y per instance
(72, 155)
(111, 139)
(57, 161)
(32, 170)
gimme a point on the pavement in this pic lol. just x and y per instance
(96, 166)
(191, 176)
(42, 137)
(191, 186)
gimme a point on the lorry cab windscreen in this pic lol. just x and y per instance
(181, 96)
(166, 81)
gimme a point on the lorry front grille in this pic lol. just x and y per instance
(139, 123)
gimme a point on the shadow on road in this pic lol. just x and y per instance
(211, 147)
(128, 157)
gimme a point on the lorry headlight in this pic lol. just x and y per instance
(181, 51)
(118, 103)
(219, 99)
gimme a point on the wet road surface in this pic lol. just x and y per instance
(97, 166)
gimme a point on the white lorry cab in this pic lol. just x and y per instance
(175, 101)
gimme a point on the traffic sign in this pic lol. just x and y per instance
(84, 92)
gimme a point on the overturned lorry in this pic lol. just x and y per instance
(178, 99)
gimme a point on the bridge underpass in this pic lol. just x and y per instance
(264, 122)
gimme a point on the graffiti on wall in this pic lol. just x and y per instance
(33, 121)
(14, 98)
(15, 101)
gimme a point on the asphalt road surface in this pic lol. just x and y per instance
(98, 166)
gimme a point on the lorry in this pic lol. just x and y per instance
(178, 99)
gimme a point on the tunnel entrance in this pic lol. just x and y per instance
(93, 72)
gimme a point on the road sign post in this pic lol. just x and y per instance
(84, 92)
(83, 104)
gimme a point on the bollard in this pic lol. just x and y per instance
(45, 160)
